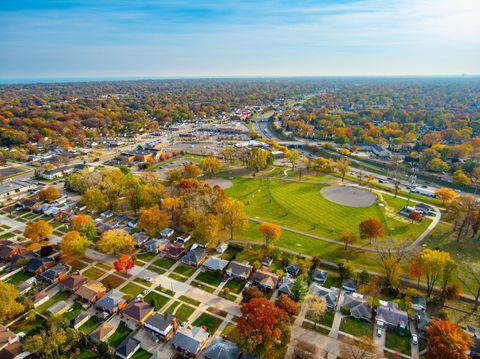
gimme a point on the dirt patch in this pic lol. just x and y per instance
(349, 196)
(222, 182)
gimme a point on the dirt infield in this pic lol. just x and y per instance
(349, 196)
(222, 182)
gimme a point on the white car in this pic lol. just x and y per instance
(414, 339)
(148, 279)
(379, 332)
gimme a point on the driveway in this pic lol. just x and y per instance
(379, 340)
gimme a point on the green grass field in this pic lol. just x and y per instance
(300, 206)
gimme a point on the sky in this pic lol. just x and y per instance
(229, 38)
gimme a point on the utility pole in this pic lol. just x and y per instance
(413, 178)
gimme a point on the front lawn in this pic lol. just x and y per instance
(235, 285)
(210, 278)
(18, 278)
(333, 280)
(189, 300)
(326, 320)
(112, 281)
(146, 257)
(120, 334)
(202, 286)
(165, 262)
(132, 289)
(398, 343)
(75, 309)
(177, 277)
(184, 312)
(156, 269)
(28, 327)
(90, 325)
(76, 265)
(56, 298)
(93, 273)
(156, 300)
(141, 354)
(185, 270)
(212, 323)
(356, 327)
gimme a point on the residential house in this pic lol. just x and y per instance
(5, 242)
(111, 302)
(285, 286)
(21, 259)
(127, 348)
(349, 285)
(7, 252)
(358, 306)
(25, 287)
(184, 238)
(189, 342)
(39, 265)
(474, 351)
(137, 311)
(221, 349)
(423, 208)
(239, 270)
(28, 204)
(265, 279)
(38, 299)
(54, 274)
(125, 158)
(6, 337)
(267, 261)
(293, 269)
(320, 276)
(163, 325)
(195, 256)
(167, 232)
(72, 282)
(80, 319)
(389, 315)
(215, 264)
(103, 227)
(331, 295)
(14, 351)
(102, 332)
(91, 291)
(221, 248)
(140, 238)
(422, 321)
(174, 251)
(58, 172)
(58, 308)
(106, 214)
(155, 245)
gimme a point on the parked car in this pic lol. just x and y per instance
(414, 339)
(379, 332)
(148, 279)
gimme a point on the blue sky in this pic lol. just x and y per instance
(202, 38)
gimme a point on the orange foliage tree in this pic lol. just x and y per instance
(371, 228)
(48, 194)
(38, 230)
(289, 306)
(447, 340)
(271, 232)
(123, 262)
(85, 226)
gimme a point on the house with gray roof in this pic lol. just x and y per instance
(111, 302)
(239, 270)
(389, 315)
(155, 245)
(127, 348)
(221, 349)
(349, 285)
(59, 307)
(330, 294)
(189, 342)
(163, 325)
(285, 286)
(215, 264)
(358, 306)
(195, 256)
(167, 232)
(320, 276)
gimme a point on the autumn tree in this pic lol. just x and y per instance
(371, 228)
(206, 231)
(343, 166)
(415, 216)
(438, 268)
(211, 164)
(191, 171)
(123, 262)
(363, 348)
(74, 244)
(48, 194)
(115, 241)
(271, 233)
(299, 289)
(447, 340)
(347, 238)
(415, 270)
(346, 269)
(316, 307)
(84, 225)
(390, 259)
(250, 293)
(261, 326)
(38, 230)
(289, 306)
(172, 204)
(293, 156)
(459, 177)
(10, 307)
(94, 200)
(152, 194)
(232, 214)
(257, 159)
(152, 221)
(445, 194)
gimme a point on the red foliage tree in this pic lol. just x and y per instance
(123, 262)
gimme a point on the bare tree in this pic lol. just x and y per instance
(365, 348)
(474, 289)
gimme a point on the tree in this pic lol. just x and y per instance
(48, 194)
(293, 157)
(363, 348)
(472, 286)
(211, 164)
(74, 244)
(445, 194)
(260, 326)
(191, 171)
(316, 307)
(343, 166)
(437, 266)
(257, 159)
(371, 228)
(84, 225)
(347, 238)
(447, 340)
(172, 203)
(415, 216)
(38, 230)
(251, 292)
(460, 178)
(153, 194)
(437, 165)
(232, 215)
(152, 221)
(299, 289)
(346, 269)
(390, 258)
(94, 200)
(271, 233)
(415, 270)
(123, 262)
(206, 231)
(289, 306)
(10, 307)
(114, 241)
